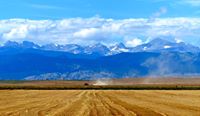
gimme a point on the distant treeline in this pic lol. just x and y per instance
(108, 87)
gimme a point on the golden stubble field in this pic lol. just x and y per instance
(99, 103)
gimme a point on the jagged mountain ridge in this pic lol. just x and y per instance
(156, 45)
(160, 45)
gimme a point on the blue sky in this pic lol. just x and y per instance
(132, 22)
(117, 9)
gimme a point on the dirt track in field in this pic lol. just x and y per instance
(99, 103)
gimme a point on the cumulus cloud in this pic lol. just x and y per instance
(134, 42)
(85, 33)
(95, 29)
(19, 32)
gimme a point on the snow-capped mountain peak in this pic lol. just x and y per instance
(28, 44)
(11, 44)
(161, 45)
(118, 48)
(24, 44)
(97, 49)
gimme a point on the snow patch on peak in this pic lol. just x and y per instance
(145, 48)
(119, 49)
(167, 46)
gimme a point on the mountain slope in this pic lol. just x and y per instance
(36, 63)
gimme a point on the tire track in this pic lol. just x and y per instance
(101, 107)
(162, 105)
(73, 109)
(162, 101)
(35, 106)
(139, 111)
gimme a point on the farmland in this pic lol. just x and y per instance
(116, 97)
(99, 102)
(107, 84)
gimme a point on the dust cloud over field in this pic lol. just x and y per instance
(99, 103)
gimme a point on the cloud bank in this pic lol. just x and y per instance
(95, 29)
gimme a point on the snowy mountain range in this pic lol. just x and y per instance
(156, 45)
(27, 60)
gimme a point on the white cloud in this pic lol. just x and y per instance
(19, 32)
(95, 29)
(191, 2)
(134, 42)
(195, 3)
(85, 33)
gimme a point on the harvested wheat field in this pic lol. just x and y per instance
(99, 103)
